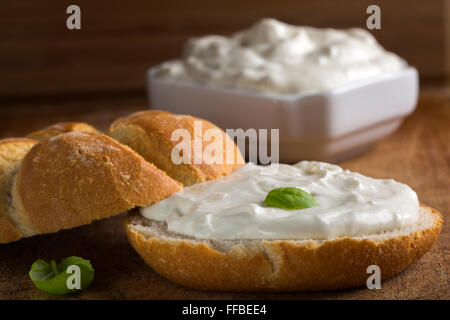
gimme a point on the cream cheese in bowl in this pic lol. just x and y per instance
(331, 93)
(277, 58)
(349, 204)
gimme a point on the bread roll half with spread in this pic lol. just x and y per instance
(150, 133)
(75, 178)
(222, 235)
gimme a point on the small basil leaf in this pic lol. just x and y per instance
(55, 285)
(41, 270)
(52, 278)
(87, 272)
(290, 199)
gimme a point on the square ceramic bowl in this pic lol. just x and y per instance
(329, 125)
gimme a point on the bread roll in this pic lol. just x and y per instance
(149, 133)
(12, 152)
(61, 127)
(279, 265)
(75, 178)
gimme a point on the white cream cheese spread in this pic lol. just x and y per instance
(349, 204)
(276, 58)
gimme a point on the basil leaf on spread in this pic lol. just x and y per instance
(290, 198)
(73, 274)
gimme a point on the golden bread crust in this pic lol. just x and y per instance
(149, 134)
(75, 178)
(282, 265)
(61, 127)
(12, 151)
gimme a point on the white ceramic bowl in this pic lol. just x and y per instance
(330, 125)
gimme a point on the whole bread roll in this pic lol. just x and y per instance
(77, 177)
(279, 265)
(149, 133)
(61, 127)
(12, 152)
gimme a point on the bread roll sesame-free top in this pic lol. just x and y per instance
(149, 133)
(75, 178)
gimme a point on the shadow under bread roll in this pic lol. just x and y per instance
(149, 133)
(75, 178)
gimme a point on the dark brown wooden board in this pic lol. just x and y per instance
(417, 154)
(119, 40)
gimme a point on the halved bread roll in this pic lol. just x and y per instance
(75, 178)
(279, 265)
(12, 152)
(61, 127)
(149, 133)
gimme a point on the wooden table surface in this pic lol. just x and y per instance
(418, 154)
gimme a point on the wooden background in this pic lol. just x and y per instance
(119, 40)
(49, 74)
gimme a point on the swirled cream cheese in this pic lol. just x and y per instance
(349, 204)
(276, 58)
